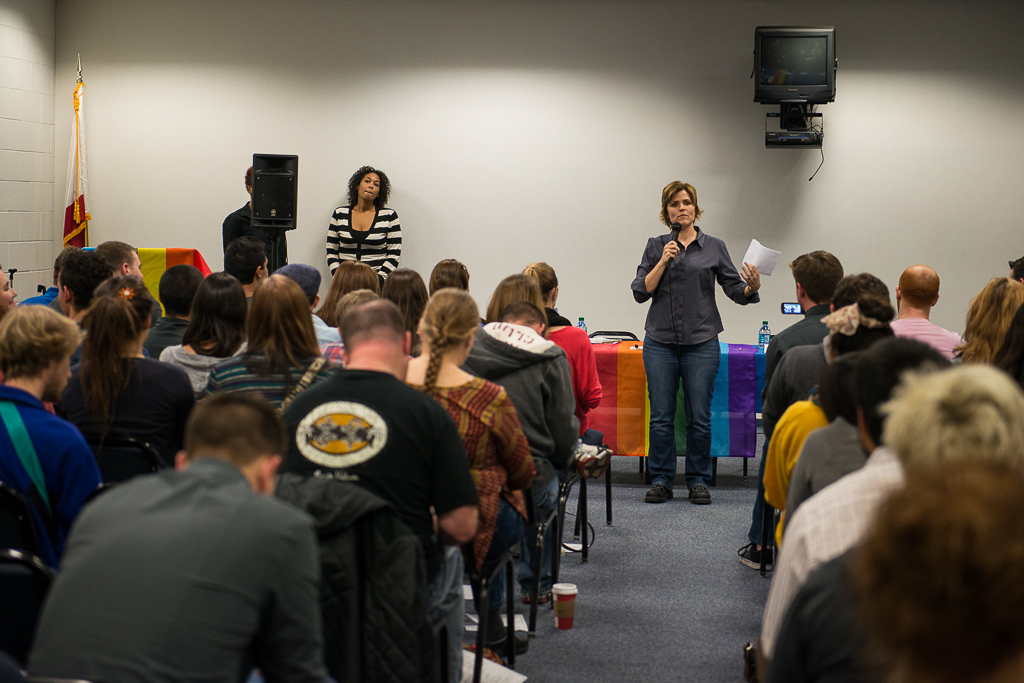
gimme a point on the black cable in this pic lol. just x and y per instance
(593, 537)
(821, 148)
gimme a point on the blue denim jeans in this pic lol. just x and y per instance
(544, 503)
(697, 366)
(446, 607)
(592, 437)
(756, 521)
(508, 530)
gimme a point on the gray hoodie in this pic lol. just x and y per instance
(195, 366)
(538, 381)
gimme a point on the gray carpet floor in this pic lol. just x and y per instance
(664, 596)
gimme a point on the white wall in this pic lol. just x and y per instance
(26, 141)
(518, 130)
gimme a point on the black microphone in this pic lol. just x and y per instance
(676, 227)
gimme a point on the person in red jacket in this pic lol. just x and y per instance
(585, 384)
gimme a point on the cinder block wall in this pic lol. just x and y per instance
(27, 196)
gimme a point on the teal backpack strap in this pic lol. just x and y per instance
(24, 448)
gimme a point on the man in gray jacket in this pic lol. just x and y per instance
(536, 376)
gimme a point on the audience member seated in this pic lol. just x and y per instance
(449, 273)
(916, 293)
(124, 259)
(82, 273)
(536, 375)
(308, 278)
(988, 319)
(282, 357)
(215, 331)
(405, 288)
(178, 287)
(832, 521)
(49, 297)
(191, 575)
(115, 390)
(852, 328)
(42, 456)
(365, 425)
(586, 385)
(512, 289)
(954, 429)
(945, 608)
(332, 352)
(833, 451)
(1017, 270)
(1010, 358)
(7, 294)
(499, 456)
(348, 277)
(246, 259)
(792, 381)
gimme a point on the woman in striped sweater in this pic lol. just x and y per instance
(366, 230)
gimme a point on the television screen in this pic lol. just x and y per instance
(791, 60)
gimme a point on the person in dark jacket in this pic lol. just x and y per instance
(536, 376)
(239, 224)
(373, 583)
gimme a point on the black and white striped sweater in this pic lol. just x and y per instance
(380, 247)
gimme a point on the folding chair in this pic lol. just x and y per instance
(17, 525)
(122, 457)
(483, 580)
(542, 525)
(24, 581)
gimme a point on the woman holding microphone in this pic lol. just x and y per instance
(678, 271)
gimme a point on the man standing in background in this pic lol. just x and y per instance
(239, 224)
(916, 293)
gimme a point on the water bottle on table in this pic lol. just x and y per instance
(764, 336)
(582, 325)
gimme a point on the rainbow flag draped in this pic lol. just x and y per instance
(156, 261)
(624, 416)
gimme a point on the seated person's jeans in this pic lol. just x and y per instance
(445, 606)
(543, 503)
(592, 437)
(508, 530)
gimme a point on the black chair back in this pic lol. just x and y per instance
(24, 580)
(17, 526)
(613, 335)
(122, 457)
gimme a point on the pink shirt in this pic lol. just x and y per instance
(929, 333)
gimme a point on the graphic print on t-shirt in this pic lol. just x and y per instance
(341, 434)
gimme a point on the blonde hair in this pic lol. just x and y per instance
(969, 412)
(670, 191)
(450, 317)
(510, 290)
(545, 277)
(32, 337)
(988, 319)
(354, 298)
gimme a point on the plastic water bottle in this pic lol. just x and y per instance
(582, 325)
(764, 336)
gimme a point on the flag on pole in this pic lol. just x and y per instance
(76, 213)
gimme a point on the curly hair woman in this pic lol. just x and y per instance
(366, 229)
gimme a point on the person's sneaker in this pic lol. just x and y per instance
(751, 556)
(699, 495)
(522, 641)
(659, 493)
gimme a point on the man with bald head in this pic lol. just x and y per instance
(916, 293)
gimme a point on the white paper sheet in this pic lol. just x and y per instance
(761, 256)
(490, 672)
(472, 623)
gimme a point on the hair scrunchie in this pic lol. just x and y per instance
(848, 319)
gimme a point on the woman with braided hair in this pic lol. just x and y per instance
(499, 456)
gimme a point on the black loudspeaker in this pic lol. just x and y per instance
(275, 197)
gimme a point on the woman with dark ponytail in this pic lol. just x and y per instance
(115, 389)
(499, 456)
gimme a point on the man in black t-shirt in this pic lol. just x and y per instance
(239, 224)
(366, 425)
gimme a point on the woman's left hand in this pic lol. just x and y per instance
(751, 277)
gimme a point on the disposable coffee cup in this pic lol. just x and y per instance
(565, 604)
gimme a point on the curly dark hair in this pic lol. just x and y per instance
(353, 186)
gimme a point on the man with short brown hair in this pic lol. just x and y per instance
(916, 293)
(42, 456)
(208, 574)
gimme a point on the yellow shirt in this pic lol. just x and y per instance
(799, 420)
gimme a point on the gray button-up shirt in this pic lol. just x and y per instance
(684, 309)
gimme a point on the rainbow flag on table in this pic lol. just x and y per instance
(624, 416)
(156, 261)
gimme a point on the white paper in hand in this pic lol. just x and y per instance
(762, 257)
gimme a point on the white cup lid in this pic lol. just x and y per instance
(564, 589)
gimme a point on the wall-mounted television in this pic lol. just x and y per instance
(794, 65)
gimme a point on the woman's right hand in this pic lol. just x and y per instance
(670, 251)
